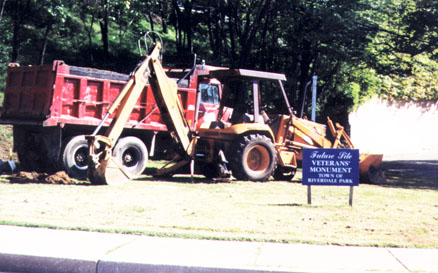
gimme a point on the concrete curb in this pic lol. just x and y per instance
(38, 250)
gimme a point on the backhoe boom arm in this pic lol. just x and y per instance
(103, 168)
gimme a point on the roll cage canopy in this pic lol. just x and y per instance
(229, 75)
(245, 74)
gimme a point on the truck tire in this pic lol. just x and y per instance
(253, 158)
(74, 156)
(132, 153)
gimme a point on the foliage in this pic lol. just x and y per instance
(4, 48)
(421, 84)
(357, 48)
(403, 53)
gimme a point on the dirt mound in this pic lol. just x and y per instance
(60, 177)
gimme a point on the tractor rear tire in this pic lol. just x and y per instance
(253, 158)
(132, 153)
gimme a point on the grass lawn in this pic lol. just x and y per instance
(272, 211)
(402, 213)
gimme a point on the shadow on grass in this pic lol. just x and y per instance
(411, 174)
(288, 205)
(183, 177)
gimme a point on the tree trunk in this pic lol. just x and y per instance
(232, 49)
(211, 35)
(43, 49)
(304, 70)
(3, 8)
(16, 28)
(151, 20)
(177, 25)
(188, 4)
(90, 41)
(164, 12)
(248, 36)
(104, 28)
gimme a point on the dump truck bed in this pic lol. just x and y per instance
(60, 94)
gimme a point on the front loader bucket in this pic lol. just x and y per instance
(369, 168)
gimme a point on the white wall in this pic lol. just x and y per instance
(395, 128)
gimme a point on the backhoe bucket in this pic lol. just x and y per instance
(369, 168)
(103, 168)
(112, 175)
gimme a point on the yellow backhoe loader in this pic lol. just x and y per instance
(252, 145)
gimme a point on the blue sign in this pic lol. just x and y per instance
(331, 167)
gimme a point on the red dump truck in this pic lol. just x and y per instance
(53, 107)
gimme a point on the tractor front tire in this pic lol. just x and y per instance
(253, 158)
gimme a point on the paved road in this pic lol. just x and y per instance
(38, 250)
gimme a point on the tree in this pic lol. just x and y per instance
(49, 16)
(404, 51)
(392, 42)
(19, 11)
(182, 22)
(233, 29)
(85, 10)
(324, 38)
(104, 13)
